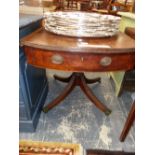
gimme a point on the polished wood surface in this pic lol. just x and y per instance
(79, 61)
(47, 50)
(128, 123)
(42, 39)
(130, 31)
(41, 47)
(77, 79)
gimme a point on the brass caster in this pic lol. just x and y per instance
(45, 109)
(108, 112)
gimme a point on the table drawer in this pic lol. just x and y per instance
(78, 61)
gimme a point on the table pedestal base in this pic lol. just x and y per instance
(77, 79)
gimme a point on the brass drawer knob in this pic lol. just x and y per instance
(105, 61)
(57, 59)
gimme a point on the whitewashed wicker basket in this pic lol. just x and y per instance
(81, 24)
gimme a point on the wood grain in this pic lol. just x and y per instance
(129, 122)
(41, 46)
(79, 61)
(41, 39)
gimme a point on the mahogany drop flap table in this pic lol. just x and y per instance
(79, 55)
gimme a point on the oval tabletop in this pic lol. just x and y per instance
(46, 40)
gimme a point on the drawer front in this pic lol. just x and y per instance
(79, 61)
